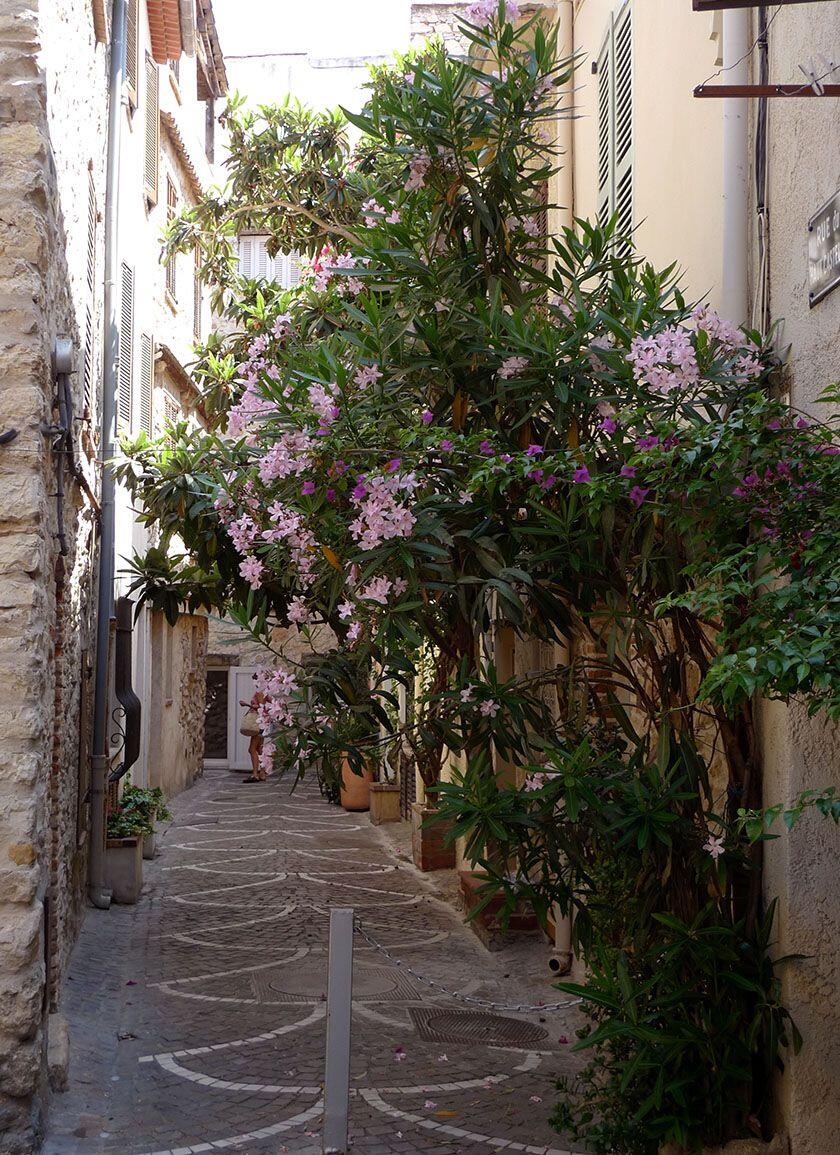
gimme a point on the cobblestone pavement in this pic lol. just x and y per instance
(197, 1017)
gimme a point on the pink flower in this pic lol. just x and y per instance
(393, 218)
(330, 495)
(464, 497)
(418, 166)
(377, 590)
(298, 611)
(665, 361)
(427, 417)
(534, 451)
(483, 11)
(628, 471)
(446, 446)
(345, 611)
(647, 442)
(637, 495)
(393, 465)
(252, 570)
(609, 425)
(486, 448)
(489, 709)
(307, 488)
(367, 375)
(581, 475)
(512, 366)
(399, 1054)
(430, 1105)
(467, 694)
(714, 846)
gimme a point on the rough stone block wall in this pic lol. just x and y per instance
(176, 749)
(44, 603)
(439, 19)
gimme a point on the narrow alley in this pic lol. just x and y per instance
(198, 1014)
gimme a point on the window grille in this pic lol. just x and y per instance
(171, 409)
(126, 349)
(171, 212)
(151, 149)
(147, 381)
(615, 122)
(257, 265)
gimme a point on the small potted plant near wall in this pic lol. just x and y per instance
(124, 856)
(385, 794)
(147, 805)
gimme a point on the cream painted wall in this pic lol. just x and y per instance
(803, 868)
(677, 139)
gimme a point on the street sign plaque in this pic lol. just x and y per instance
(824, 251)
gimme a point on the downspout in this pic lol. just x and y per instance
(735, 302)
(100, 896)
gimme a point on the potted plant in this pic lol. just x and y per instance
(124, 856)
(385, 795)
(145, 805)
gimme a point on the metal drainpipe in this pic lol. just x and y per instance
(735, 301)
(99, 895)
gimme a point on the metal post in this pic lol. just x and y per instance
(339, 1002)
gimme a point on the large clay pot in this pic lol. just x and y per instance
(355, 788)
(427, 840)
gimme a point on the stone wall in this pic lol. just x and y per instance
(804, 753)
(439, 18)
(176, 704)
(52, 78)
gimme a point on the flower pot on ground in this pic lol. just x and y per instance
(149, 846)
(493, 930)
(355, 787)
(124, 869)
(429, 847)
(384, 803)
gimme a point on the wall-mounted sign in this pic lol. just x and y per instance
(824, 251)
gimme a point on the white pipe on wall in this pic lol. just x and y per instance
(735, 303)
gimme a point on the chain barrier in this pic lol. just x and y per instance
(522, 1008)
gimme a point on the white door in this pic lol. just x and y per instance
(241, 690)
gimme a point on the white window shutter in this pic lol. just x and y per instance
(257, 265)
(623, 72)
(125, 384)
(147, 377)
(615, 123)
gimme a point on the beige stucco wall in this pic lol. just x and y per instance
(677, 180)
(52, 78)
(803, 868)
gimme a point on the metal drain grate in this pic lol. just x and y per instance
(475, 1028)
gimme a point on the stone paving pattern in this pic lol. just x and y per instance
(197, 1017)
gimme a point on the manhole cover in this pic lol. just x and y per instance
(475, 1027)
(311, 982)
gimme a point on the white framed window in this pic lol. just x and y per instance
(615, 121)
(257, 265)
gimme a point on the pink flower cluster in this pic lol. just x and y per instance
(379, 589)
(512, 367)
(747, 366)
(665, 361)
(483, 11)
(290, 454)
(418, 167)
(382, 515)
(288, 527)
(322, 400)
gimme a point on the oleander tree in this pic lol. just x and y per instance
(459, 429)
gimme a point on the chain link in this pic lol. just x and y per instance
(523, 1008)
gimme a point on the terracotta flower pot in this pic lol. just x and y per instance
(427, 840)
(384, 803)
(355, 788)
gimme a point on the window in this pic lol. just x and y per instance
(132, 64)
(147, 380)
(257, 265)
(126, 349)
(151, 148)
(171, 409)
(197, 294)
(89, 361)
(171, 212)
(615, 122)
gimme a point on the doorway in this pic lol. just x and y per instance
(224, 746)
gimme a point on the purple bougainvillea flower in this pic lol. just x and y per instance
(647, 442)
(427, 417)
(637, 495)
(446, 446)
(307, 488)
(581, 475)
(628, 471)
(534, 450)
